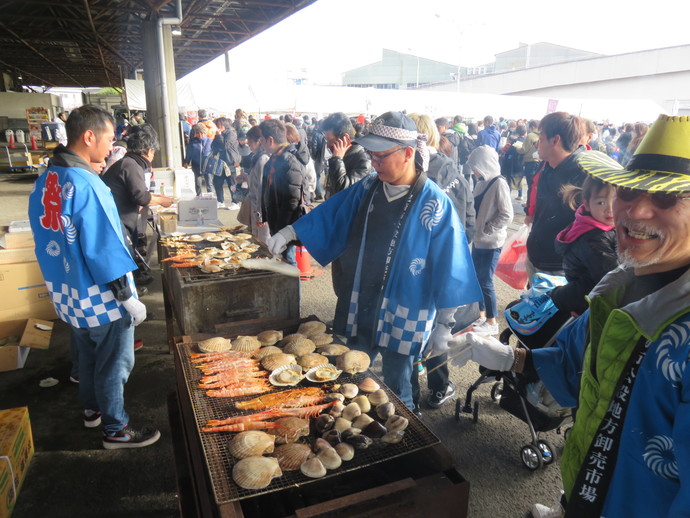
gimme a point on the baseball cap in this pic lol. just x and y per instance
(389, 130)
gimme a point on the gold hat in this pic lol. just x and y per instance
(661, 162)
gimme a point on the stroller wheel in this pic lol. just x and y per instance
(548, 454)
(496, 390)
(458, 409)
(531, 457)
(505, 335)
(475, 412)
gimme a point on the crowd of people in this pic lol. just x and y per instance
(413, 216)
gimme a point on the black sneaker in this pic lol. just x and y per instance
(418, 412)
(436, 399)
(143, 279)
(128, 437)
(93, 420)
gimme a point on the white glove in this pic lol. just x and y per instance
(438, 340)
(277, 243)
(488, 352)
(136, 308)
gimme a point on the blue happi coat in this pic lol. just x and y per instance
(79, 243)
(432, 267)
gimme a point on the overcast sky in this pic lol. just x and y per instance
(332, 36)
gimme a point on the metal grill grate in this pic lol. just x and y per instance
(219, 462)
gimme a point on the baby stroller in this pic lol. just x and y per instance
(535, 322)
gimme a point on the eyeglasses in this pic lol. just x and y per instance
(661, 200)
(378, 157)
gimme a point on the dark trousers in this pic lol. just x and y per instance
(436, 381)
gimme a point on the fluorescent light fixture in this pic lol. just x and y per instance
(176, 30)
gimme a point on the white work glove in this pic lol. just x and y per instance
(136, 308)
(438, 340)
(278, 242)
(489, 352)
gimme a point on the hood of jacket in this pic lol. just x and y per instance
(484, 160)
(65, 157)
(583, 223)
(300, 151)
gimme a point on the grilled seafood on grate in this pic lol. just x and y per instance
(210, 268)
(265, 351)
(293, 398)
(251, 444)
(321, 339)
(255, 472)
(249, 388)
(275, 361)
(291, 455)
(313, 468)
(246, 343)
(323, 373)
(312, 327)
(215, 345)
(311, 360)
(353, 362)
(286, 376)
(289, 429)
(269, 337)
(299, 346)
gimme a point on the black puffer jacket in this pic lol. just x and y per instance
(585, 262)
(341, 173)
(443, 172)
(225, 144)
(282, 186)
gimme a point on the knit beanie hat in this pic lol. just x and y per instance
(485, 160)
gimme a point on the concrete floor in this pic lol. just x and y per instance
(72, 476)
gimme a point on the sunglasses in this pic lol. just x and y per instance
(661, 200)
(378, 157)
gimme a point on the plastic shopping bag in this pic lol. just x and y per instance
(512, 263)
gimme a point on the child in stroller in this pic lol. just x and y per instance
(535, 322)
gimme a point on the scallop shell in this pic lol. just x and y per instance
(329, 458)
(222, 254)
(194, 238)
(291, 456)
(345, 450)
(269, 337)
(313, 468)
(289, 429)
(286, 376)
(274, 361)
(255, 472)
(230, 266)
(323, 373)
(251, 444)
(246, 343)
(385, 410)
(378, 397)
(313, 327)
(251, 248)
(299, 346)
(332, 349)
(349, 390)
(321, 339)
(265, 351)
(241, 255)
(206, 235)
(215, 345)
(210, 268)
(215, 239)
(311, 360)
(289, 338)
(353, 362)
(367, 384)
(363, 402)
(243, 236)
(230, 246)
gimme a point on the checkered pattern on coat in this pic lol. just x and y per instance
(405, 329)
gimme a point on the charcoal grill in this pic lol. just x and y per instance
(219, 462)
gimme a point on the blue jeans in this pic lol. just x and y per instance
(396, 368)
(290, 254)
(485, 260)
(219, 183)
(106, 357)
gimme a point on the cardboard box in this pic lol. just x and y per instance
(44, 310)
(190, 212)
(12, 240)
(17, 255)
(31, 333)
(185, 184)
(168, 222)
(16, 450)
(21, 284)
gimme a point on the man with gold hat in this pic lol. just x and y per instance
(624, 362)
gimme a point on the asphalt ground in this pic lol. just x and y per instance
(71, 475)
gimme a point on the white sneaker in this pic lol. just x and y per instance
(479, 321)
(234, 206)
(485, 329)
(221, 205)
(541, 511)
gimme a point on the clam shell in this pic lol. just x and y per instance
(332, 349)
(269, 337)
(362, 421)
(323, 373)
(385, 410)
(335, 396)
(265, 351)
(393, 437)
(291, 456)
(359, 441)
(289, 338)
(286, 376)
(346, 434)
(396, 422)
(329, 458)
(311, 360)
(366, 385)
(246, 343)
(319, 444)
(349, 390)
(210, 268)
(215, 345)
(342, 424)
(321, 339)
(332, 436)
(274, 361)
(351, 411)
(313, 468)
(337, 410)
(289, 429)
(313, 327)
(251, 444)
(323, 423)
(299, 346)
(255, 472)
(378, 397)
(353, 362)
(345, 450)
(375, 430)
(363, 403)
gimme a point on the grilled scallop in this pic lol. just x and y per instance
(255, 472)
